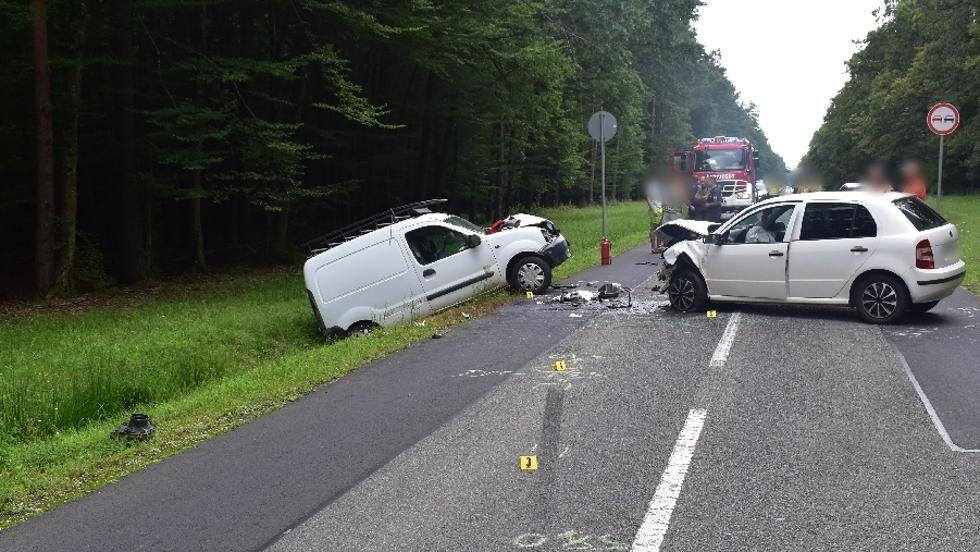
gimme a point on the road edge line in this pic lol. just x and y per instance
(651, 533)
(936, 421)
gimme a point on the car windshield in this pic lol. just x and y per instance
(463, 223)
(919, 214)
(720, 160)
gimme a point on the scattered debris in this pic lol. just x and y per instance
(576, 297)
(437, 335)
(466, 315)
(420, 324)
(574, 315)
(564, 286)
(139, 427)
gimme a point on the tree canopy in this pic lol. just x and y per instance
(192, 132)
(925, 52)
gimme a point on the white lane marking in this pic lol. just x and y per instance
(929, 409)
(725, 345)
(655, 523)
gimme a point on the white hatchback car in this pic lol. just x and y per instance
(883, 254)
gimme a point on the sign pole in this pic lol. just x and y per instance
(939, 185)
(602, 144)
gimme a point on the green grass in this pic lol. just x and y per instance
(964, 212)
(200, 361)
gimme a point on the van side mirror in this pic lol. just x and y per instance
(473, 241)
(755, 159)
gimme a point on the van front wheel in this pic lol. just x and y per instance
(529, 273)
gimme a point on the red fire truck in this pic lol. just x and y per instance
(733, 162)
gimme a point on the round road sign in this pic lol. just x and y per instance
(602, 126)
(943, 119)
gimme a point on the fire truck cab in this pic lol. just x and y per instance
(732, 162)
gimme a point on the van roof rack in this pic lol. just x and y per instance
(370, 224)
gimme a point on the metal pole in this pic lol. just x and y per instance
(939, 185)
(602, 144)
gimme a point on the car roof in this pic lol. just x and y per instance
(864, 196)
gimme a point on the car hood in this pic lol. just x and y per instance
(683, 229)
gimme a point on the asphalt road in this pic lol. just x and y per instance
(763, 428)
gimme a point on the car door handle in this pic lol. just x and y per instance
(859, 249)
(775, 253)
(429, 272)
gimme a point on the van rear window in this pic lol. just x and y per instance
(919, 214)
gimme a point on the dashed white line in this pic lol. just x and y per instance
(657, 520)
(725, 345)
(655, 523)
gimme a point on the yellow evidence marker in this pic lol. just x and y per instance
(712, 314)
(529, 463)
(530, 295)
(560, 366)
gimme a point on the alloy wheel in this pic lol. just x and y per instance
(681, 292)
(879, 300)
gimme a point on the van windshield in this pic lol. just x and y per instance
(463, 223)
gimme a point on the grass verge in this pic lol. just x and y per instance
(964, 212)
(199, 364)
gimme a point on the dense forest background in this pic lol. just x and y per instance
(140, 137)
(925, 52)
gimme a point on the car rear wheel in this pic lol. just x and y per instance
(920, 308)
(530, 273)
(880, 298)
(687, 291)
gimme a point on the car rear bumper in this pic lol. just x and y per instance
(933, 285)
(557, 251)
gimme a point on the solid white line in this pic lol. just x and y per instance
(655, 523)
(928, 404)
(725, 345)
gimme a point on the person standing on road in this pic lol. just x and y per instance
(695, 199)
(655, 196)
(913, 181)
(712, 201)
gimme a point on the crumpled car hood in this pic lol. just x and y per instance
(678, 229)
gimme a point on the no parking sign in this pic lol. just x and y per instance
(942, 120)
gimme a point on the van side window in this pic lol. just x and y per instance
(432, 243)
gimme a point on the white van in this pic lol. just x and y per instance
(410, 262)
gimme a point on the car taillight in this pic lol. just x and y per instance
(923, 255)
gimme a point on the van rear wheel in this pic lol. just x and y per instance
(529, 273)
(364, 327)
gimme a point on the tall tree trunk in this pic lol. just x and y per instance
(197, 227)
(134, 263)
(44, 230)
(498, 210)
(68, 216)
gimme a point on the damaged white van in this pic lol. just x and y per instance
(409, 262)
(881, 254)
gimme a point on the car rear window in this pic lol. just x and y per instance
(919, 214)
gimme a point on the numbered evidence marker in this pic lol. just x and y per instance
(560, 366)
(712, 314)
(530, 295)
(529, 463)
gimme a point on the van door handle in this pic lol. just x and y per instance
(775, 253)
(859, 249)
(429, 272)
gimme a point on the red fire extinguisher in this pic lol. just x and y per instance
(605, 251)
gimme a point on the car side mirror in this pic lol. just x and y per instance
(473, 241)
(713, 239)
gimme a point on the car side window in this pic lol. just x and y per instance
(827, 221)
(864, 223)
(763, 226)
(432, 243)
(837, 221)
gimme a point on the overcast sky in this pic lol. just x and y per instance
(788, 57)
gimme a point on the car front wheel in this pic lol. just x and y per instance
(530, 273)
(687, 291)
(880, 298)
